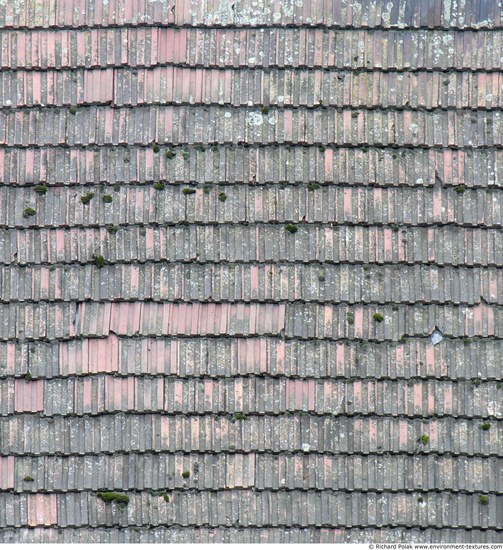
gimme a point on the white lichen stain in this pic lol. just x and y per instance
(255, 119)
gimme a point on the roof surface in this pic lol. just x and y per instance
(250, 270)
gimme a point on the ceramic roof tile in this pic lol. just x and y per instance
(249, 271)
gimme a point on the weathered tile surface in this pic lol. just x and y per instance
(251, 265)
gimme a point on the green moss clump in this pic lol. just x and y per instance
(322, 148)
(166, 497)
(99, 261)
(28, 376)
(485, 426)
(107, 198)
(206, 189)
(40, 189)
(112, 229)
(158, 186)
(350, 318)
(186, 155)
(484, 500)
(188, 191)
(291, 228)
(459, 189)
(120, 498)
(185, 474)
(200, 148)
(425, 439)
(28, 478)
(313, 186)
(72, 110)
(378, 318)
(170, 154)
(265, 110)
(86, 199)
(239, 416)
(28, 212)
(155, 148)
(222, 197)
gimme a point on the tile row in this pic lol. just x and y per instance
(190, 125)
(260, 48)
(211, 359)
(24, 434)
(63, 320)
(253, 508)
(262, 243)
(163, 472)
(390, 166)
(250, 535)
(352, 284)
(339, 13)
(310, 203)
(237, 87)
(104, 394)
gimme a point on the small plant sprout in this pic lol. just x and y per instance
(40, 189)
(29, 212)
(291, 228)
(121, 499)
(86, 199)
(378, 317)
(425, 439)
(158, 186)
(99, 261)
(107, 198)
